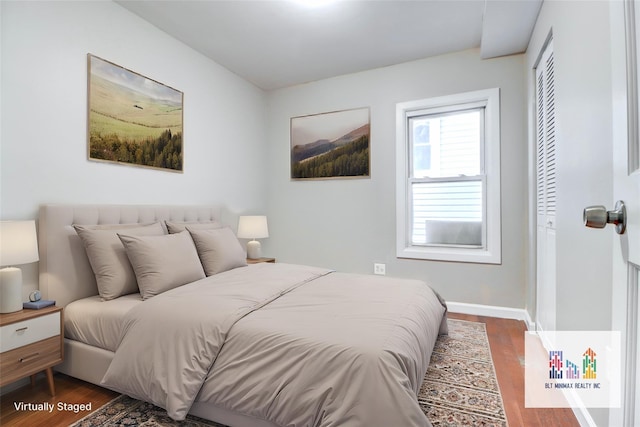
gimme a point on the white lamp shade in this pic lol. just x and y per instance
(18, 242)
(253, 227)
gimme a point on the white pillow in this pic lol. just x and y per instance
(107, 256)
(162, 262)
(219, 249)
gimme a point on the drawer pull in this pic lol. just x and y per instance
(21, 330)
(26, 358)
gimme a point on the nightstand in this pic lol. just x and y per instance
(259, 260)
(30, 342)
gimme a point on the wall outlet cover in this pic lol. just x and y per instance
(380, 269)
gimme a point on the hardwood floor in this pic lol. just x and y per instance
(506, 338)
(69, 391)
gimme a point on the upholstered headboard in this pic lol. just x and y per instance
(65, 272)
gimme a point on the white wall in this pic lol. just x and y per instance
(581, 39)
(350, 224)
(229, 157)
(44, 112)
(44, 101)
(583, 107)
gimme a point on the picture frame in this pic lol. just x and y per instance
(132, 119)
(332, 145)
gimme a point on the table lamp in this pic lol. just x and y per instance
(253, 227)
(18, 245)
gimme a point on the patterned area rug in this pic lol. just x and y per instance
(460, 389)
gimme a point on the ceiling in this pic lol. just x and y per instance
(276, 44)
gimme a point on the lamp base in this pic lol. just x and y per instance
(10, 290)
(254, 250)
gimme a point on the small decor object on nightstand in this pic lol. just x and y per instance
(35, 296)
(37, 305)
(253, 227)
(36, 302)
(18, 245)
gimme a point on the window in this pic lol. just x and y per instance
(448, 178)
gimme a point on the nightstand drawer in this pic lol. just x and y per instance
(32, 358)
(29, 331)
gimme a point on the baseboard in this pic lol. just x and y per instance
(584, 417)
(492, 311)
(575, 403)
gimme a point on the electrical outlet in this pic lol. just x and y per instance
(380, 269)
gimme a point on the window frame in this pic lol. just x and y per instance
(491, 253)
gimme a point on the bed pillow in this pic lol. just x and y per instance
(107, 256)
(219, 250)
(177, 227)
(162, 262)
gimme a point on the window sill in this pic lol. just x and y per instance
(481, 256)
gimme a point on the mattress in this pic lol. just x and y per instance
(96, 322)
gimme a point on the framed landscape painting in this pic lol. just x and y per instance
(132, 119)
(330, 145)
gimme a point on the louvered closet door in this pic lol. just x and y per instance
(546, 192)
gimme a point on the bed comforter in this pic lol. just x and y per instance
(294, 345)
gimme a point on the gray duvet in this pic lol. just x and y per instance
(294, 345)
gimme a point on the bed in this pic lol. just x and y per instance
(264, 345)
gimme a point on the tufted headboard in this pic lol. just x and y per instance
(65, 272)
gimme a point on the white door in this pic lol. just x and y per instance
(625, 40)
(545, 192)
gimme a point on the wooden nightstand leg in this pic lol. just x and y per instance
(33, 380)
(52, 388)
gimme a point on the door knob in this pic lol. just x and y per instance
(599, 217)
